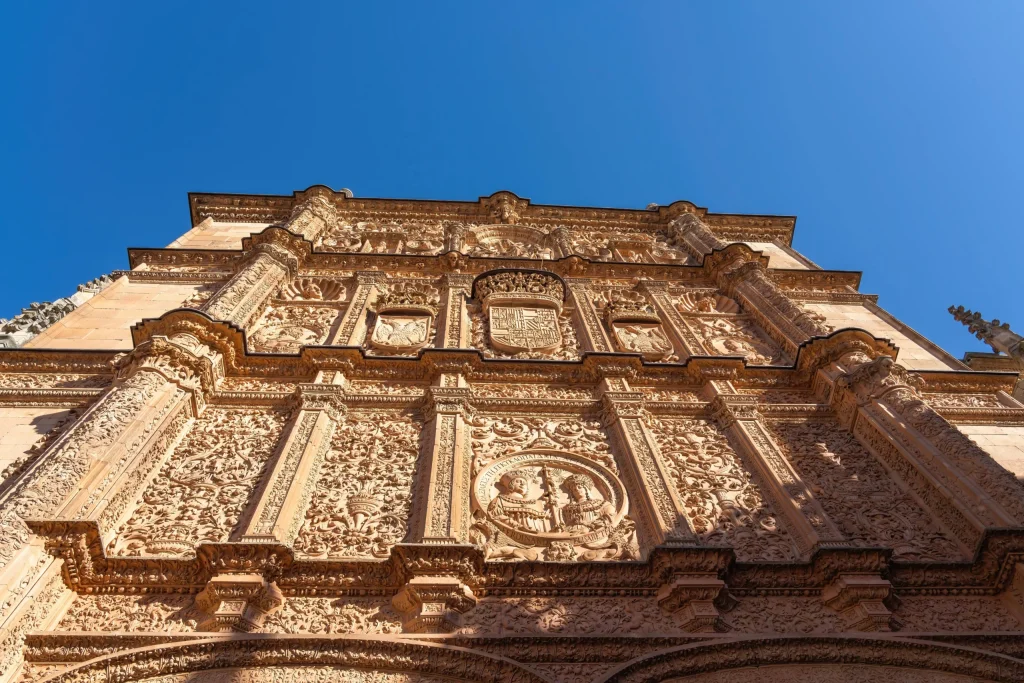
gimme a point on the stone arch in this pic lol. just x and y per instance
(841, 658)
(238, 657)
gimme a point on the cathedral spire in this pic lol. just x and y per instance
(997, 335)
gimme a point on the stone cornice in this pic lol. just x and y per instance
(244, 208)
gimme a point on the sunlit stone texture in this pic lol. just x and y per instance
(325, 438)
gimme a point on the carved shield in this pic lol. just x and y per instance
(523, 328)
(405, 332)
(647, 339)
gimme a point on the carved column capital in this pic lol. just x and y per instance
(695, 600)
(863, 601)
(329, 398)
(238, 602)
(448, 401)
(433, 604)
(181, 359)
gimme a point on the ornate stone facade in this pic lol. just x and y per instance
(569, 444)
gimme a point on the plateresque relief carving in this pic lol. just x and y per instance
(519, 314)
(839, 470)
(202, 490)
(724, 330)
(361, 500)
(634, 324)
(723, 498)
(405, 318)
(553, 506)
(287, 328)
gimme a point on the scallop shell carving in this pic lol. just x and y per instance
(313, 289)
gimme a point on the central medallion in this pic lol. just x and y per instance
(551, 505)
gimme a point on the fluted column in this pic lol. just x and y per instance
(594, 336)
(282, 504)
(686, 343)
(443, 509)
(652, 485)
(453, 327)
(808, 523)
(957, 480)
(352, 329)
(241, 300)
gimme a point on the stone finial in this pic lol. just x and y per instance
(997, 335)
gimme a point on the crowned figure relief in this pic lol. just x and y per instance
(588, 510)
(514, 504)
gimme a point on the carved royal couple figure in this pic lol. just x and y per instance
(586, 510)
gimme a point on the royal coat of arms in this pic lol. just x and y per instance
(522, 328)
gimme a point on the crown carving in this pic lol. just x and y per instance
(408, 297)
(629, 305)
(520, 287)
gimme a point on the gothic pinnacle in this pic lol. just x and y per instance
(997, 335)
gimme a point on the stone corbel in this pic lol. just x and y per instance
(433, 604)
(864, 601)
(651, 486)
(238, 602)
(695, 600)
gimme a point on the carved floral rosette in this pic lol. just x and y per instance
(405, 318)
(550, 504)
(523, 309)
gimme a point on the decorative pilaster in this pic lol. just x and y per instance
(594, 336)
(282, 505)
(653, 487)
(563, 240)
(241, 300)
(809, 526)
(444, 511)
(352, 330)
(314, 214)
(453, 327)
(878, 401)
(685, 341)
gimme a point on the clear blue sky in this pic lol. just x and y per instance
(893, 130)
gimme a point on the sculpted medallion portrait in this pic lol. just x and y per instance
(551, 505)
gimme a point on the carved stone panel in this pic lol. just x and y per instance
(285, 329)
(723, 497)
(203, 489)
(362, 498)
(839, 470)
(515, 329)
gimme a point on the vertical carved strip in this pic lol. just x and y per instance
(595, 338)
(453, 326)
(790, 495)
(642, 461)
(444, 479)
(683, 338)
(353, 325)
(242, 298)
(283, 503)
